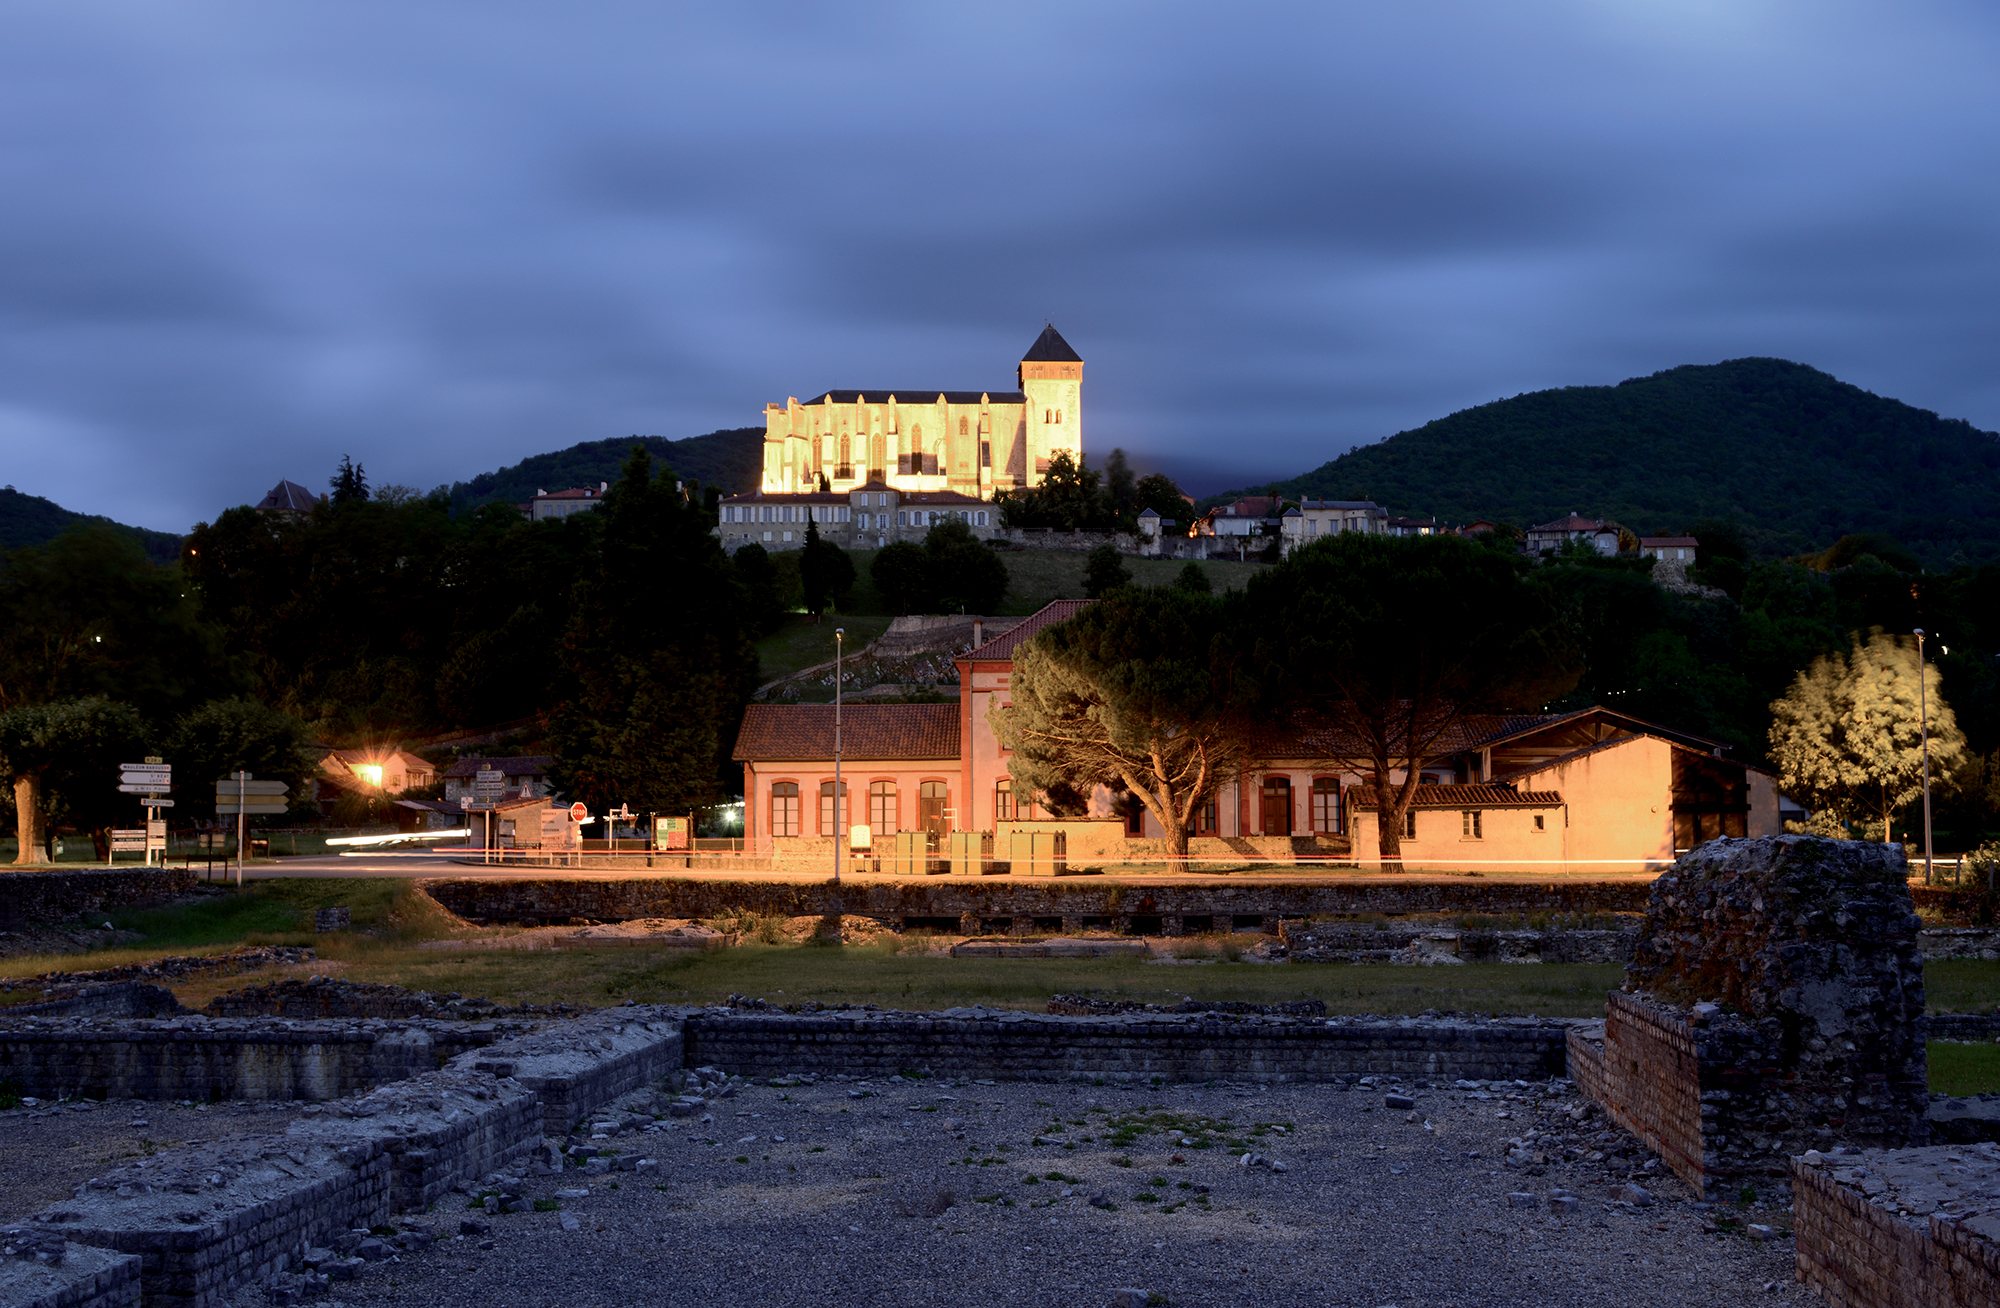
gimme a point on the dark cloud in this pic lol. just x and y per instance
(240, 241)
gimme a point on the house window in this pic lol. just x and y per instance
(832, 823)
(1326, 806)
(1135, 815)
(1541, 823)
(1410, 825)
(1203, 821)
(882, 808)
(1277, 806)
(1469, 825)
(785, 808)
(1003, 801)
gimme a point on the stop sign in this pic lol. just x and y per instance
(578, 812)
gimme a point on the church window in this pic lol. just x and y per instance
(1048, 415)
(963, 428)
(845, 468)
(986, 454)
(1058, 415)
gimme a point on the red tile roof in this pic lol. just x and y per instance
(1461, 796)
(867, 731)
(1002, 646)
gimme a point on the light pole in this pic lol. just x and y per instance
(839, 817)
(1924, 733)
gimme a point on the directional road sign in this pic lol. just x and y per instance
(135, 773)
(251, 789)
(254, 806)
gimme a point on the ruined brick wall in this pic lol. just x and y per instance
(1034, 1047)
(206, 1059)
(39, 898)
(1912, 1228)
(1774, 1003)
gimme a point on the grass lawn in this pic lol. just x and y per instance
(393, 920)
(801, 642)
(1964, 1069)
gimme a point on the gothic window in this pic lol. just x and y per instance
(963, 427)
(1058, 415)
(845, 468)
(986, 454)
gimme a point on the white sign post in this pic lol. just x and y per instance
(243, 795)
(151, 780)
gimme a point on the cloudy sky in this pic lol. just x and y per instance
(238, 240)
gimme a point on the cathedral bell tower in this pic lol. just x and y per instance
(1051, 378)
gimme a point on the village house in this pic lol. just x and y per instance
(1591, 789)
(1311, 520)
(485, 779)
(563, 503)
(1598, 534)
(868, 517)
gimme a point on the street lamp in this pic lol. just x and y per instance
(1924, 733)
(839, 817)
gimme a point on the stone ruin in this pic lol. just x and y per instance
(1771, 1030)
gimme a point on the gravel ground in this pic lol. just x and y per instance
(48, 1150)
(952, 1193)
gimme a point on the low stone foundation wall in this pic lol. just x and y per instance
(1904, 1228)
(42, 1271)
(1034, 1047)
(40, 898)
(574, 1068)
(205, 1221)
(1646, 1075)
(1066, 905)
(112, 999)
(1409, 942)
(206, 1059)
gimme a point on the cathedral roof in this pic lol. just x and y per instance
(1050, 347)
(918, 395)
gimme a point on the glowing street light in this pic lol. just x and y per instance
(1924, 734)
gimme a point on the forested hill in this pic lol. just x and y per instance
(1795, 457)
(730, 460)
(32, 520)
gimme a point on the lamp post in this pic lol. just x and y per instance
(1924, 734)
(839, 817)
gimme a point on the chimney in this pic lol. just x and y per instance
(978, 632)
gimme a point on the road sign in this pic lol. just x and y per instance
(254, 804)
(144, 788)
(128, 840)
(488, 784)
(579, 812)
(249, 788)
(140, 772)
(154, 801)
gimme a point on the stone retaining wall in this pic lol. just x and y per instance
(1034, 1047)
(1646, 1075)
(112, 999)
(1911, 1228)
(39, 898)
(1057, 905)
(206, 1059)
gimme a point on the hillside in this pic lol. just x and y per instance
(729, 460)
(32, 520)
(1794, 456)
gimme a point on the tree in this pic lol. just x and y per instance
(1391, 642)
(758, 576)
(825, 572)
(657, 682)
(1104, 571)
(1848, 738)
(1157, 491)
(208, 743)
(1137, 692)
(902, 576)
(349, 482)
(1068, 499)
(1193, 578)
(62, 758)
(1120, 486)
(966, 575)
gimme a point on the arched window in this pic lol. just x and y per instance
(845, 468)
(964, 428)
(785, 808)
(1277, 806)
(1326, 806)
(1003, 801)
(832, 823)
(882, 808)
(1048, 415)
(1058, 415)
